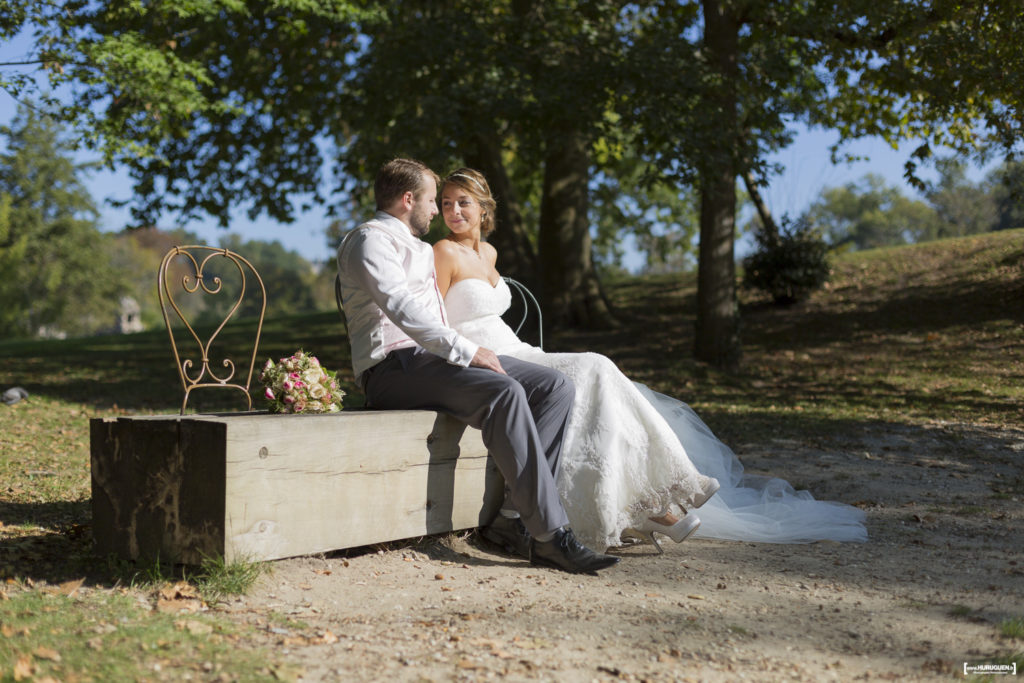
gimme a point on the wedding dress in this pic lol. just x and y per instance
(630, 452)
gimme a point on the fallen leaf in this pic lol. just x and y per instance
(69, 588)
(179, 590)
(286, 673)
(46, 653)
(196, 628)
(24, 668)
(485, 642)
(176, 606)
(694, 596)
(327, 638)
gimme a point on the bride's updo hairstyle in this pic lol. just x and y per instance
(475, 185)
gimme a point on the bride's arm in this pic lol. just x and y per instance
(445, 264)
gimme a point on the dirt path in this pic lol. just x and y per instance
(943, 568)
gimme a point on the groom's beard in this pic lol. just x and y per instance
(420, 223)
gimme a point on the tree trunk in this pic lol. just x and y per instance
(717, 334)
(762, 209)
(571, 290)
(517, 257)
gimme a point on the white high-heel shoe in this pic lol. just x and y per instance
(678, 532)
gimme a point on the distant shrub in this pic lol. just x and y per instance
(788, 266)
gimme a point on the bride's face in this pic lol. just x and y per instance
(461, 212)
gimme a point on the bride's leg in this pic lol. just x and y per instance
(665, 519)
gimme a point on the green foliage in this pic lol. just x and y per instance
(962, 207)
(218, 103)
(208, 104)
(288, 278)
(57, 274)
(868, 214)
(662, 218)
(1008, 194)
(949, 76)
(788, 266)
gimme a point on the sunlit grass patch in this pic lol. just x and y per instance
(217, 579)
(107, 636)
(1012, 628)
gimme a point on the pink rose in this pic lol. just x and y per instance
(289, 399)
(269, 394)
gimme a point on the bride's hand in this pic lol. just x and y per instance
(485, 358)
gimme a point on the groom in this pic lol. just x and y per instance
(406, 357)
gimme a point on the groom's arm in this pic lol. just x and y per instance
(370, 260)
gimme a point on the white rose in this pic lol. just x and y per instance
(317, 391)
(311, 376)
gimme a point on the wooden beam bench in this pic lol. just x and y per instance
(258, 486)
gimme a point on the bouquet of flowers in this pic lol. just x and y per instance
(299, 384)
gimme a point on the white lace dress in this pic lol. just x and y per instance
(630, 452)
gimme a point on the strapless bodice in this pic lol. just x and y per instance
(474, 310)
(473, 298)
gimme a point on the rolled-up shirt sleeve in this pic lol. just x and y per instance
(372, 262)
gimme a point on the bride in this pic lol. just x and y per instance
(634, 462)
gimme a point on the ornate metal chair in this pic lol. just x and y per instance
(528, 302)
(198, 373)
(526, 299)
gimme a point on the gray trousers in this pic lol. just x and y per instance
(521, 416)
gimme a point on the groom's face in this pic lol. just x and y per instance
(424, 208)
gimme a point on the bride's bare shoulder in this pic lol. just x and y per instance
(445, 249)
(489, 253)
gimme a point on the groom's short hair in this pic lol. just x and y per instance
(399, 176)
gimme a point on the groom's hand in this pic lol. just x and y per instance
(485, 358)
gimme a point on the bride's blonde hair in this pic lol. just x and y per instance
(475, 185)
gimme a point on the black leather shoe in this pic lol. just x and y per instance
(566, 553)
(510, 534)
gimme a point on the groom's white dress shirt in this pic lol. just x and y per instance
(390, 296)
